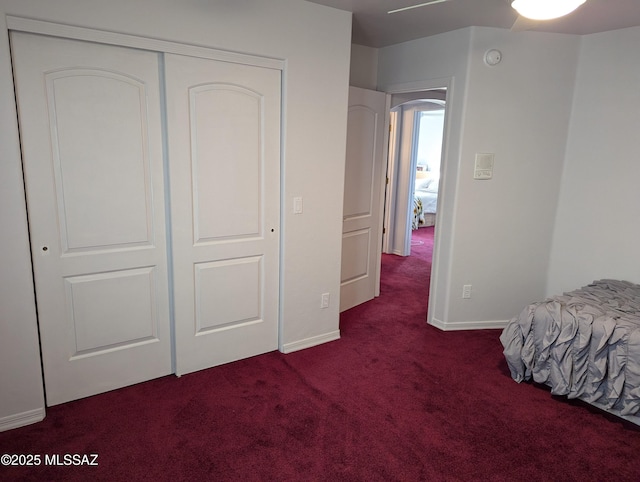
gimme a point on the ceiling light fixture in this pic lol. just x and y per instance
(545, 9)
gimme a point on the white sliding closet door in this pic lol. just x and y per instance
(92, 150)
(224, 168)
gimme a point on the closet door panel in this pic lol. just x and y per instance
(92, 151)
(105, 111)
(227, 170)
(224, 158)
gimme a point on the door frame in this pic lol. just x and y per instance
(52, 29)
(436, 297)
(401, 174)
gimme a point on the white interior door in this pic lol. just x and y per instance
(224, 154)
(92, 151)
(362, 220)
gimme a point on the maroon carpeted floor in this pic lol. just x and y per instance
(393, 399)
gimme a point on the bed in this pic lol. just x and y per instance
(584, 344)
(425, 200)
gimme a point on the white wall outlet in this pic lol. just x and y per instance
(324, 301)
(466, 291)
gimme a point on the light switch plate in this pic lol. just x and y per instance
(483, 166)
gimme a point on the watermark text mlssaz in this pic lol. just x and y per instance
(49, 459)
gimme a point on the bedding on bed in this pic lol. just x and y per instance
(425, 197)
(429, 201)
(583, 344)
(417, 219)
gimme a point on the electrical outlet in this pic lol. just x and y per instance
(324, 301)
(466, 291)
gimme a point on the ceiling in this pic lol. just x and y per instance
(374, 27)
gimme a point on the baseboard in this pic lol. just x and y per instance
(310, 342)
(22, 419)
(469, 325)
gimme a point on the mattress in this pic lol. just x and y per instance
(583, 344)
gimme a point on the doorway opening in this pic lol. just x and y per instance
(416, 157)
(413, 169)
(426, 103)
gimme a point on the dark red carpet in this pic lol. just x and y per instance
(393, 399)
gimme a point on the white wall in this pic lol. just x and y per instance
(519, 110)
(315, 43)
(495, 235)
(364, 67)
(435, 62)
(597, 229)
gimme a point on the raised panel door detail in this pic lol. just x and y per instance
(355, 246)
(361, 124)
(100, 155)
(227, 161)
(109, 311)
(220, 281)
